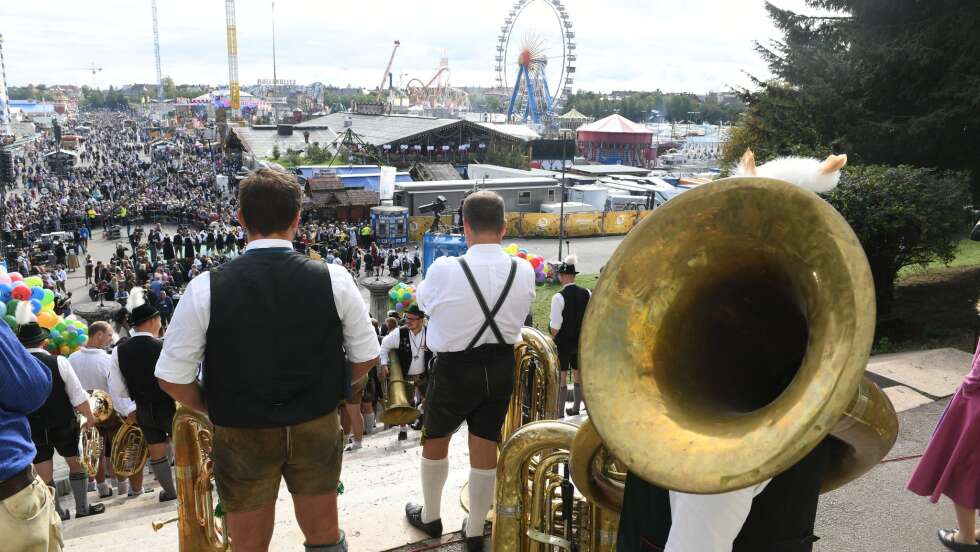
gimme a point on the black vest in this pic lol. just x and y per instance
(57, 410)
(781, 519)
(274, 354)
(137, 360)
(576, 299)
(405, 350)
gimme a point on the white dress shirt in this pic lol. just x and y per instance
(117, 385)
(183, 350)
(417, 341)
(92, 367)
(557, 306)
(709, 522)
(454, 313)
(76, 393)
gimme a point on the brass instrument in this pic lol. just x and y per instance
(91, 445)
(728, 336)
(129, 450)
(398, 404)
(535, 394)
(546, 514)
(535, 382)
(198, 529)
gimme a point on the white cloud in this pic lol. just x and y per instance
(696, 45)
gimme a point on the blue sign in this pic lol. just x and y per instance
(441, 245)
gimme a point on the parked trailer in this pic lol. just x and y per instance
(519, 194)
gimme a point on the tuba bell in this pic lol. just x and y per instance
(398, 405)
(728, 336)
(198, 528)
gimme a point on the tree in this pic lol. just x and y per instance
(275, 152)
(169, 88)
(903, 216)
(885, 82)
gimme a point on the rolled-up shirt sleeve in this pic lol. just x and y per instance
(117, 387)
(183, 348)
(76, 393)
(557, 308)
(360, 341)
(389, 343)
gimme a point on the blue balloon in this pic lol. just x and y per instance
(3, 309)
(5, 292)
(35, 306)
(37, 293)
(80, 331)
(55, 336)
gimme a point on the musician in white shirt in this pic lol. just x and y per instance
(476, 304)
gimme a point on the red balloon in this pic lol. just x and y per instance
(15, 277)
(522, 255)
(536, 262)
(21, 293)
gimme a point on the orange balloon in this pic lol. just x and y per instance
(46, 320)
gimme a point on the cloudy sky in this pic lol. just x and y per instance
(690, 45)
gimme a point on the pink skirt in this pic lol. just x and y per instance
(950, 464)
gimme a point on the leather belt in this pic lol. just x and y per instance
(12, 486)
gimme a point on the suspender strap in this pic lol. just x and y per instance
(488, 314)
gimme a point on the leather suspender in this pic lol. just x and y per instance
(488, 314)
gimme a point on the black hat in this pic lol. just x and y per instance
(28, 330)
(414, 309)
(139, 310)
(568, 267)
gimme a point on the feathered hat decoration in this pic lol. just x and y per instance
(568, 266)
(28, 330)
(139, 310)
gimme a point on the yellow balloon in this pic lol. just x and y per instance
(64, 350)
(48, 307)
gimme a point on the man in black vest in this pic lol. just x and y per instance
(54, 426)
(567, 311)
(131, 376)
(274, 404)
(413, 356)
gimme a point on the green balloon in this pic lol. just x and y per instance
(12, 306)
(10, 321)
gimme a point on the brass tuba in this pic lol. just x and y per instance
(398, 404)
(129, 450)
(535, 382)
(728, 336)
(91, 445)
(198, 528)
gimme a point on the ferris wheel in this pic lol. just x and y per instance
(524, 61)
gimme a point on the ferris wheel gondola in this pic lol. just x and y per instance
(532, 95)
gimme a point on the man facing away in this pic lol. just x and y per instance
(476, 305)
(567, 312)
(273, 404)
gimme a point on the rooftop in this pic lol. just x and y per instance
(615, 123)
(604, 170)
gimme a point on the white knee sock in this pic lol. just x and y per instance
(434, 473)
(482, 483)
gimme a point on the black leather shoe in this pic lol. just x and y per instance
(571, 412)
(946, 537)
(65, 515)
(473, 544)
(414, 514)
(164, 497)
(93, 510)
(402, 435)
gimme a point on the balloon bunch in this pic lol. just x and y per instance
(542, 269)
(401, 297)
(66, 336)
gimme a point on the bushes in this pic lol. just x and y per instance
(902, 216)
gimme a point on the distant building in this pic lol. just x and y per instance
(616, 139)
(326, 198)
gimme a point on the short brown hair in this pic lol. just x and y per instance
(98, 327)
(484, 211)
(269, 201)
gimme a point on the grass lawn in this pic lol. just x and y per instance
(967, 254)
